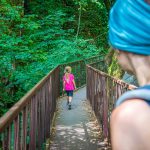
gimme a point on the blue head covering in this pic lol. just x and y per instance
(129, 26)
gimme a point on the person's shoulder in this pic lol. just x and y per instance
(72, 75)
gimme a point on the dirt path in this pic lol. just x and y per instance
(76, 129)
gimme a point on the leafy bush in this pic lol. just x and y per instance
(33, 43)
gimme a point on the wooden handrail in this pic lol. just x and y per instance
(29, 120)
(119, 81)
(102, 91)
(14, 110)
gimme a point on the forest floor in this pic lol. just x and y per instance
(76, 129)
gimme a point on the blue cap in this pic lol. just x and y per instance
(129, 26)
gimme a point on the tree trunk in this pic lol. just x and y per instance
(107, 5)
(26, 7)
(79, 22)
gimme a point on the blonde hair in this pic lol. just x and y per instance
(67, 69)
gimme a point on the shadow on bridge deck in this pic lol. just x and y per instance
(76, 129)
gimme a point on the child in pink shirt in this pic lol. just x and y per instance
(68, 84)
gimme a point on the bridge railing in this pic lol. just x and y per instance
(27, 124)
(102, 92)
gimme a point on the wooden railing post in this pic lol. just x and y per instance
(26, 126)
(102, 92)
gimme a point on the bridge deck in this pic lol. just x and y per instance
(76, 129)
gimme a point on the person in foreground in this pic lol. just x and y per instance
(129, 34)
(68, 84)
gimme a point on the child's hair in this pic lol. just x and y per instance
(67, 69)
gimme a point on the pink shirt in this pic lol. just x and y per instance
(69, 82)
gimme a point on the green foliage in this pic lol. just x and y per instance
(114, 69)
(94, 20)
(34, 43)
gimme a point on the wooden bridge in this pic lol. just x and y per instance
(28, 124)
